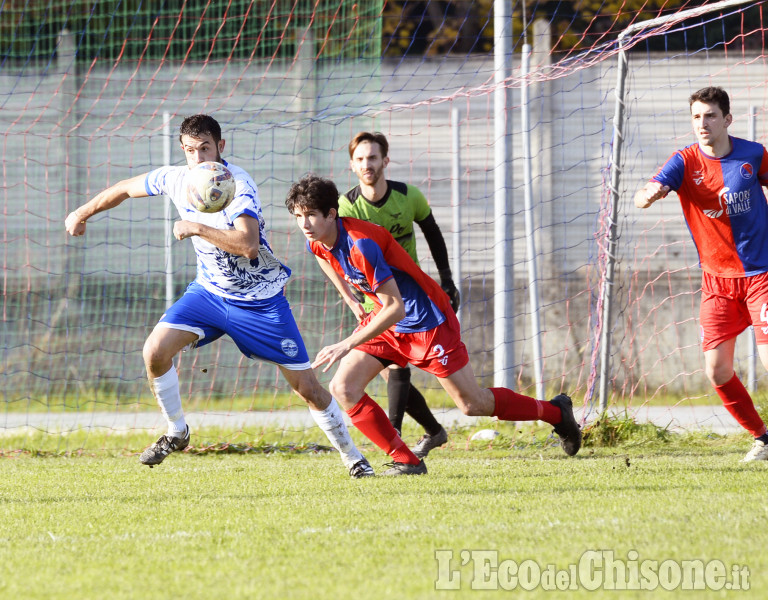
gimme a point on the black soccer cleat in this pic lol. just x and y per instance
(398, 468)
(568, 429)
(362, 468)
(166, 444)
(430, 442)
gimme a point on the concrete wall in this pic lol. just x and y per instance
(69, 131)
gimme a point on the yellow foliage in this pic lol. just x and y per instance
(437, 27)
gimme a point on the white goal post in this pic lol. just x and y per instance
(625, 41)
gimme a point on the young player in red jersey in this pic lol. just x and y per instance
(719, 181)
(398, 207)
(412, 322)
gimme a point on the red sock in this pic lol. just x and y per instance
(374, 424)
(738, 402)
(511, 406)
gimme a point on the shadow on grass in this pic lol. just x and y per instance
(210, 450)
(262, 448)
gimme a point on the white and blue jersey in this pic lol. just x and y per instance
(220, 272)
(232, 294)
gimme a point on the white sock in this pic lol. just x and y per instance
(166, 390)
(332, 423)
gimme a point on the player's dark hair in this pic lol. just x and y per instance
(368, 136)
(313, 192)
(712, 95)
(199, 125)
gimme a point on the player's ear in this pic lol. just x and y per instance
(333, 213)
(385, 161)
(728, 119)
(221, 146)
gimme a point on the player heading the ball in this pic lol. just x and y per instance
(238, 291)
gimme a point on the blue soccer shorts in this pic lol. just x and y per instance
(262, 329)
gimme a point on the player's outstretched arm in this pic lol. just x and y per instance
(109, 198)
(651, 192)
(392, 311)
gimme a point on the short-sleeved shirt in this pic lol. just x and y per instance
(724, 205)
(396, 211)
(220, 272)
(367, 256)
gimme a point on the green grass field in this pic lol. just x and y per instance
(87, 521)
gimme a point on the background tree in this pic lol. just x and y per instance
(440, 27)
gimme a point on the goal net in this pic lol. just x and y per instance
(93, 92)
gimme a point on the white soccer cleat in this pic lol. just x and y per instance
(758, 452)
(362, 468)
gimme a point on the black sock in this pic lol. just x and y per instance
(763, 438)
(398, 386)
(418, 410)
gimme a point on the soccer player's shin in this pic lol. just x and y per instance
(374, 424)
(332, 423)
(511, 406)
(406, 398)
(398, 390)
(166, 391)
(738, 402)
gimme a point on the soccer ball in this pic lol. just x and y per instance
(210, 187)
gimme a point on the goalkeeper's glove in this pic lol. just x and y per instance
(446, 282)
(359, 296)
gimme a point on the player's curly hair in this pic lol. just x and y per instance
(712, 95)
(374, 137)
(198, 125)
(313, 192)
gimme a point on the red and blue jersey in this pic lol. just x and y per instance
(724, 205)
(367, 256)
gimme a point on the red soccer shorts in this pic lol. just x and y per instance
(731, 304)
(439, 351)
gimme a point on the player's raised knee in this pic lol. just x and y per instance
(347, 395)
(157, 359)
(151, 353)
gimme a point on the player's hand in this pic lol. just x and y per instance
(356, 304)
(652, 191)
(359, 311)
(74, 224)
(183, 230)
(358, 307)
(330, 355)
(453, 294)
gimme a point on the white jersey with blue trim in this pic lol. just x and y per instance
(220, 272)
